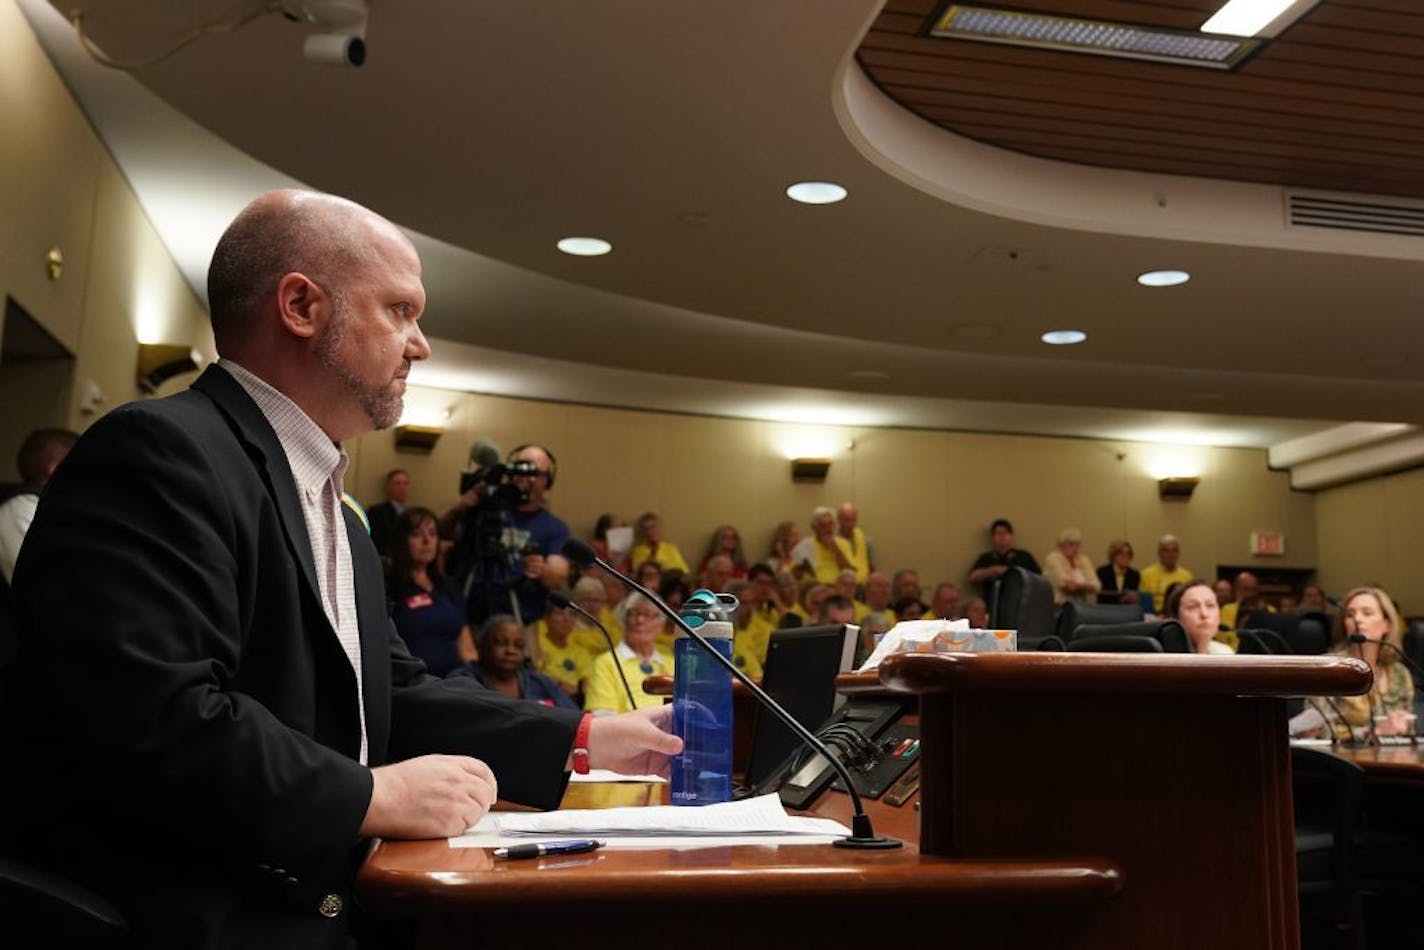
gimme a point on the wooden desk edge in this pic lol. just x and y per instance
(386, 887)
(1121, 673)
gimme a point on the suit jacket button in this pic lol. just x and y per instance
(330, 906)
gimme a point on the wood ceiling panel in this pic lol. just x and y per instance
(1335, 102)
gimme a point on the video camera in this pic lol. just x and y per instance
(497, 488)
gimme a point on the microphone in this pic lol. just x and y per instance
(862, 834)
(1413, 667)
(484, 453)
(561, 600)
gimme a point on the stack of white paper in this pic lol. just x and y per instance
(760, 820)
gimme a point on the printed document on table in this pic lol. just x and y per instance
(760, 820)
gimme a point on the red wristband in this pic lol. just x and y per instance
(581, 744)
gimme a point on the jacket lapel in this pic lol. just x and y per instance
(256, 432)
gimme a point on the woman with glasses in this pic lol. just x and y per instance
(639, 655)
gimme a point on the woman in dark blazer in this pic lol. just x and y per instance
(1121, 580)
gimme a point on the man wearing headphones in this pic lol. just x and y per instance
(532, 524)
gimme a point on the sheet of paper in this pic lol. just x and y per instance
(489, 837)
(620, 540)
(603, 775)
(761, 816)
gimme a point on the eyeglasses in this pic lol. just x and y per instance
(644, 615)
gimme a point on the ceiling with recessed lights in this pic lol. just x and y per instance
(492, 131)
(1333, 103)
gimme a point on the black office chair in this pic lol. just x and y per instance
(51, 911)
(1115, 644)
(1262, 642)
(1023, 601)
(1311, 635)
(1168, 633)
(1327, 794)
(1073, 615)
(1283, 624)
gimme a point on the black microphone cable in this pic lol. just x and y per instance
(1359, 640)
(559, 599)
(862, 834)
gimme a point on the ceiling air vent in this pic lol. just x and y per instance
(1374, 215)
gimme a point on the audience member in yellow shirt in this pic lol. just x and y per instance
(559, 656)
(590, 594)
(1248, 600)
(652, 547)
(823, 555)
(1156, 578)
(848, 530)
(637, 655)
(758, 616)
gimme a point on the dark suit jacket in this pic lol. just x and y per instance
(183, 728)
(1131, 579)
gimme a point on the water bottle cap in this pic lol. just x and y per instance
(703, 606)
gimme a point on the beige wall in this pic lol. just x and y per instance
(60, 188)
(925, 497)
(1369, 532)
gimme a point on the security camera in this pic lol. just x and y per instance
(342, 41)
(334, 49)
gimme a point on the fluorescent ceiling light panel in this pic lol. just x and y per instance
(1256, 17)
(1097, 37)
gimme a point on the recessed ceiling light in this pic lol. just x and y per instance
(584, 246)
(1163, 278)
(816, 192)
(1063, 337)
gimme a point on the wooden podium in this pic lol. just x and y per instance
(1174, 768)
(1068, 801)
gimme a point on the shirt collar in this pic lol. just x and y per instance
(313, 457)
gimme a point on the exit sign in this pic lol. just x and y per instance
(1268, 543)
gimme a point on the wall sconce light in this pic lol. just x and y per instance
(1178, 488)
(417, 438)
(159, 362)
(809, 470)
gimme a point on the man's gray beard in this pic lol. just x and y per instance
(381, 406)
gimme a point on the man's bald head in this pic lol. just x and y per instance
(283, 232)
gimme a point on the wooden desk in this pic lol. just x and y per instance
(1387, 761)
(773, 896)
(1070, 801)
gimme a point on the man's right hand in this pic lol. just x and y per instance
(434, 796)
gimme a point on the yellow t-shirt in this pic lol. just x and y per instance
(824, 562)
(1229, 612)
(591, 640)
(1155, 581)
(861, 611)
(605, 690)
(566, 665)
(859, 552)
(668, 557)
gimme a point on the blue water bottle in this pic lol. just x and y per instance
(702, 703)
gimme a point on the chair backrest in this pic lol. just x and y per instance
(1169, 633)
(1327, 792)
(1311, 635)
(1073, 615)
(1116, 644)
(1414, 649)
(1284, 623)
(1023, 601)
(1262, 642)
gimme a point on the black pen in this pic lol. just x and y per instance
(577, 846)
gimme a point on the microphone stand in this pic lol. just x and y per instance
(559, 599)
(862, 834)
(1359, 640)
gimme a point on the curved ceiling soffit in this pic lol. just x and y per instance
(1051, 193)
